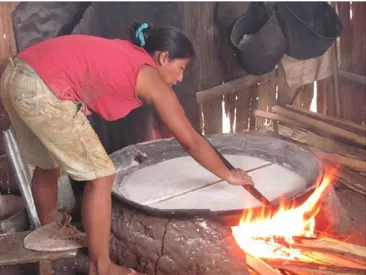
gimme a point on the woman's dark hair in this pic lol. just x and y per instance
(164, 38)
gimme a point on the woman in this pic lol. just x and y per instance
(48, 90)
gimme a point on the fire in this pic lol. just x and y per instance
(266, 235)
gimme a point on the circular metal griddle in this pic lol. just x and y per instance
(257, 153)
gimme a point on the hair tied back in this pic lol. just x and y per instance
(140, 35)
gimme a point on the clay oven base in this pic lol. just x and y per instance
(162, 246)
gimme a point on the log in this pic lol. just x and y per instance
(341, 123)
(164, 246)
(313, 268)
(319, 125)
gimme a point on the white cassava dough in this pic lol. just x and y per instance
(168, 178)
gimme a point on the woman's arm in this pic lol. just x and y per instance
(152, 89)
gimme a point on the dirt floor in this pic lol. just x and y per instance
(353, 203)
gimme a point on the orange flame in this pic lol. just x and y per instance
(259, 235)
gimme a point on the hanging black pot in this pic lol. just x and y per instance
(258, 39)
(310, 28)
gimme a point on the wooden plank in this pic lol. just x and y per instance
(212, 115)
(320, 125)
(330, 244)
(324, 143)
(313, 268)
(326, 99)
(272, 116)
(342, 123)
(306, 96)
(14, 253)
(352, 180)
(260, 266)
(243, 109)
(346, 38)
(45, 268)
(253, 104)
(264, 99)
(229, 87)
(358, 48)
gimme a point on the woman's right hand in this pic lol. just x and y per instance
(239, 177)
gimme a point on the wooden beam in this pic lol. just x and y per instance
(228, 88)
(271, 116)
(313, 123)
(352, 77)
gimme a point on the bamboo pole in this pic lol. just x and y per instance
(310, 122)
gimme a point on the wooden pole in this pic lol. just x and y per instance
(326, 144)
(341, 123)
(267, 115)
(310, 122)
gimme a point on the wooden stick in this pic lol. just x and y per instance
(352, 180)
(313, 268)
(341, 123)
(334, 259)
(336, 158)
(320, 125)
(228, 87)
(267, 115)
(332, 245)
(325, 144)
(181, 193)
(260, 266)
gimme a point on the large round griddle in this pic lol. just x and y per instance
(169, 182)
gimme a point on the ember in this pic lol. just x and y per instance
(271, 236)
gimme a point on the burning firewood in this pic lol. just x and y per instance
(297, 267)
